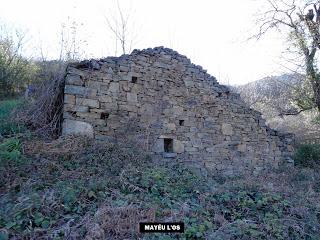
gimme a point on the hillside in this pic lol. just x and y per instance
(273, 96)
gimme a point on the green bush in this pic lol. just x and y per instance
(10, 152)
(308, 155)
(316, 119)
(15, 70)
(7, 124)
(6, 107)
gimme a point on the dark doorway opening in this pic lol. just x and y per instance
(168, 145)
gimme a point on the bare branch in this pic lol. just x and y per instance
(303, 34)
(293, 112)
(120, 28)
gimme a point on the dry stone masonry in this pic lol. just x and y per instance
(169, 107)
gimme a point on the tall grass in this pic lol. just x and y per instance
(8, 123)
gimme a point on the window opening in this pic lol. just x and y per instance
(104, 115)
(134, 79)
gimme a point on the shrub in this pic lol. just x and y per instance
(316, 120)
(8, 126)
(44, 115)
(6, 107)
(308, 155)
(10, 152)
(15, 70)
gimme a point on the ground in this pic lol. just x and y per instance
(73, 188)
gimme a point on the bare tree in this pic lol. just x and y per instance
(303, 34)
(71, 46)
(121, 26)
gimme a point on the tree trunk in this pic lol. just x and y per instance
(312, 76)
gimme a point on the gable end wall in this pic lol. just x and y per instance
(158, 94)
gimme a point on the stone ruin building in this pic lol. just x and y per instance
(171, 108)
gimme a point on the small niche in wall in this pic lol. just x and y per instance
(134, 79)
(168, 145)
(181, 122)
(104, 116)
(73, 114)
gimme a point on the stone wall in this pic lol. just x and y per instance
(169, 107)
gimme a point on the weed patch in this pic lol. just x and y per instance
(74, 188)
(308, 155)
(8, 124)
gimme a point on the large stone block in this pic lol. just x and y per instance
(73, 127)
(94, 84)
(177, 110)
(178, 146)
(191, 149)
(114, 87)
(75, 108)
(113, 106)
(105, 99)
(158, 146)
(78, 90)
(132, 97)
(242, 147)
(128, 108)
(87, 102)
(73, 79)
(81, 108)
(75, 71)
(226, 129)
(69, 99)
(89, 115)
(169, 155)
(170, 126)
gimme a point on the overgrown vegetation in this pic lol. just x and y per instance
(44, 115)
(308, 155)
(8, 124)
(16, 72)
(40, 81)
(74, 188)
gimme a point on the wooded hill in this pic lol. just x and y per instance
(275, 97)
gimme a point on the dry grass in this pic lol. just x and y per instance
(44, 115)
(288, 182)
(64, 145)
(118, 222)
(92, 190)
(299, 186)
